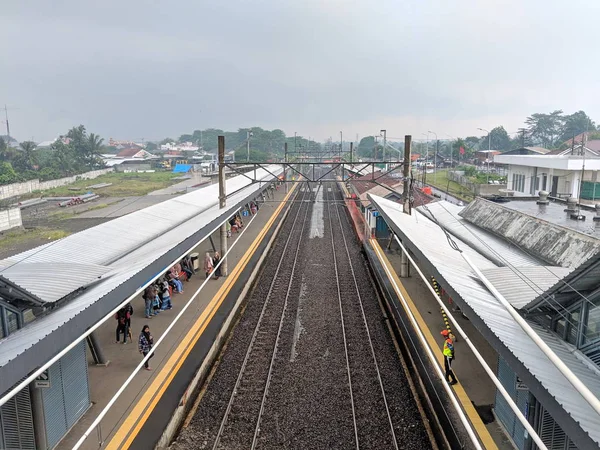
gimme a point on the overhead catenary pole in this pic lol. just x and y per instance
(406, 174)
(285, 160)
(404, 261)
(222, 203)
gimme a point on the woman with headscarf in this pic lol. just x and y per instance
(208, 264)
(215, 261)
(145, 343)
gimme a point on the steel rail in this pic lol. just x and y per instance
(367, 330)
(257, 328)
(275, 347)
(337, 279)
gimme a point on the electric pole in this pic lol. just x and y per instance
(7, 125)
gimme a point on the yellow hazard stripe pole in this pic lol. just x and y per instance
(436, 287)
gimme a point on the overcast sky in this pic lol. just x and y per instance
(151, 69)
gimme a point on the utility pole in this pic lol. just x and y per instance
(351, 151)
(384, 144)
(7, 126)
(341, 144)
(294, 142)
(222, 203)
(404, 262)
(248, 134)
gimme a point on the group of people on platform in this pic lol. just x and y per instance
(157, 296)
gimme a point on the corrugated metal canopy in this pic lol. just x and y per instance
(583, 280)
(49, 282)
(428, 241)
(135, 247)
(520, 285)
(494, 248)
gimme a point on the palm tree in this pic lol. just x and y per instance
(28, 148)
(94, 148)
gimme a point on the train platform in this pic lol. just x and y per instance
(475, 390)
(145, 408)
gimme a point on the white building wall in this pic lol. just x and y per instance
(568, 180)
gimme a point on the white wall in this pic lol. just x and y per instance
(16, 189)
(568, 180)
(10, 218)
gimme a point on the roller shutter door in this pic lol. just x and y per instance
(68, 397)
(16, 423)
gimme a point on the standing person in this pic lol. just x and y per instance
(121, 317)
(149, 295)
(166, 296)
(448, 357)
(145, 343)
(215, 261)
(208, 264)
(129, 310)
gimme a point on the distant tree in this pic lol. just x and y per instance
(472, 143)
(28, 154)
(366, 146)
(151, 146)
(7, 173)
(166, 141)
(186, 138)
(545, 129)
(500, 139)
(576, 124)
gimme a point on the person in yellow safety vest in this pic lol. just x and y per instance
(448, 357)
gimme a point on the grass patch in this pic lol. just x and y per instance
(13, 238)
(96, 207)
(442, 182)
(123, 185)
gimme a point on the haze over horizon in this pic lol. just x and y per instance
(152, 70)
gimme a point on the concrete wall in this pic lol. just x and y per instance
(133, 167)
(477, 189)
(10, 218)
(552, 243)
(16, 189)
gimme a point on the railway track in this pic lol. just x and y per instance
(310, 364)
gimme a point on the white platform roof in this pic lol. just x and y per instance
(125, 253)
(428, 241)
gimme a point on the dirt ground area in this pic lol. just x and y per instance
(48, 222)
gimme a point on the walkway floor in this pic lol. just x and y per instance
(105, 381)
(469, 372)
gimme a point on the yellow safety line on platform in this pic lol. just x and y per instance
(484, 435)
(132, 425)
